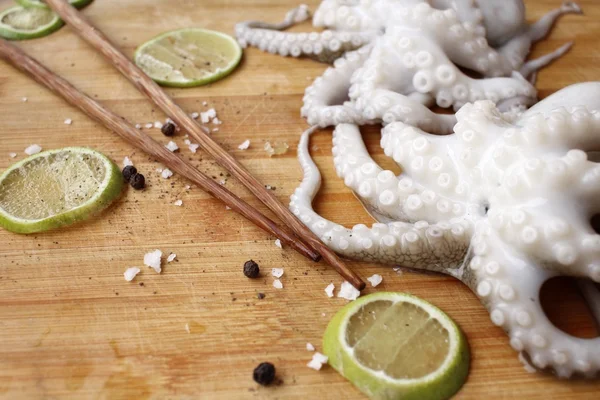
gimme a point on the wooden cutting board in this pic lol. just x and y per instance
(71, 327)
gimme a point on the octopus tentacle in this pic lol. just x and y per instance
(325, 46)
(531, 67)
(510, 289)
(517, 48)
(439, 247)
(386, 196)
(343, 16)
(324, 99)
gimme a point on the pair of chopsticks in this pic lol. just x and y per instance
(296, 234)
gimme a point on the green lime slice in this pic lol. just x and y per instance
(40, 4)
(188, 57)
(18, 23)
(397, 346)
(57, 188)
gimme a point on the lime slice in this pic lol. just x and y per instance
(397, 346)
(18, 23)
(57, 188)
(188, 57)
(40, 4)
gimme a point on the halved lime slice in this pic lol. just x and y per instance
(397, 346)
(57, 188)
(188, 57)
(18, 23)
(41, 4)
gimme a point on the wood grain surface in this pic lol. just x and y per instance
(72, 327)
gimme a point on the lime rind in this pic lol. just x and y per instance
(11, 33)
(234, 62)
(441, 384)
(108, 191)
(39, 4)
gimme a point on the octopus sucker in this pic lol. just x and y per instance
(482, 194)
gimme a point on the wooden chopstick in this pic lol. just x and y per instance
(120, 126)
(147, 86)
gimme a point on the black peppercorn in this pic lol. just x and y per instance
(251, 269)
(264, 374)
(168, 129)
(137, 181)
(128, 172)
(260, 296)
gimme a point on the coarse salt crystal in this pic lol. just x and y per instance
(278, 243)
(158, 124)
(12, 155)
(215, 130)
(208, 115)
(195, 115)
(187, 142)
(178, 203)
(245, 145)
(172, 146)
(348, 292)
(159, 170)
(166, 173)
(310, 347)
(187, 187)
(216, 121)
(138, 126)
(227, 208)
(130, 273)
(222, 182)
(204, 103)
(68, 121)
(194, 147)
(329, 290)
(127, 162)
(152, 259)
(268, 187)
(397, 270)
(33, 149)
(171, 257)
(24, 99)
(375, 279)
(149, 125)
(317, 361)
(277, 284)
(277, 272)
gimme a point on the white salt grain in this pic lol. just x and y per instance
(171, 257)
(166, 173)
(277, 272)
(153, 259)
(172, 146)
(204, 103)
(33, 149)
(245, 145)
(277, 284)
(149, 125)
(130, 273)
(348, 292)
(208, 115)
(187, 142)
(138, 126)
(178, 203)
(317, 361)
(12, 155)
(227, 208)
(194, 115)
(187, 187)
(158, 124)
(68, 121)
(329, 290)
(215, 130)
(310, 347)
(24, 99)
(194, 147)
(375, 279)
(216, 121)
(222, 182)
(278, 243)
